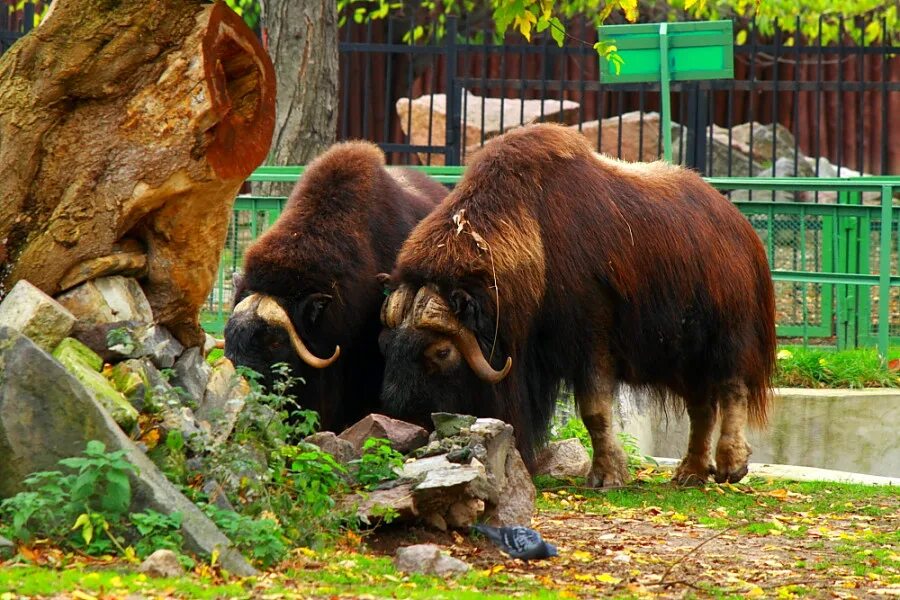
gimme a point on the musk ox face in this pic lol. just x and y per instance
(434, 353)
(264, 330)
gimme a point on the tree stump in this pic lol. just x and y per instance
(126, 130)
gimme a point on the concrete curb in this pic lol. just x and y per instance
(801, 473)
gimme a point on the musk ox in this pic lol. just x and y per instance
(550, 266)
(310, 296)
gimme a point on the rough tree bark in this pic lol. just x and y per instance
(126, 129)
(303, 43)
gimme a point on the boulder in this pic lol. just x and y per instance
(46, 414)
(640, 136)
(404, 437)
(223, 401)
(765, 137)
(342, 450)
(162, 563)
(107, 300)
(478, 114)
(427, 559)
(563, 459)
(37, 315)
(516, 504)
(85, 365)
(192, 373)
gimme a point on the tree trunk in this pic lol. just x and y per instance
(127, 128)
(303, 43)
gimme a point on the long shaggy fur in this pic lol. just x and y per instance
(590, 256)
(342, 225)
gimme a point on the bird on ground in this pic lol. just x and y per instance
(518, 542)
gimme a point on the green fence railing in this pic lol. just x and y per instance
(834, 257)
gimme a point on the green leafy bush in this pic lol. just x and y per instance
(379, 462)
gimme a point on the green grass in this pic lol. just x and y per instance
(824, 368)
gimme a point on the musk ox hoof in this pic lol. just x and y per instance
(732, 456)
(731, 477)
(689, 474)
(609, 473)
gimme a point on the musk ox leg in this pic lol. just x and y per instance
(732, 451)
(697, 465)
(610, 467)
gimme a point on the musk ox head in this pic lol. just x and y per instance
(437, 353)
(264, 330)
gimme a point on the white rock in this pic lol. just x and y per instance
(427, 559)
(564, 458)
(36, 315)
(108, 300)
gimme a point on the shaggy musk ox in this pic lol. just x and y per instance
(549, 265)
(310, 294)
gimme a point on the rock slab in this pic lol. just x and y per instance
(47, 415)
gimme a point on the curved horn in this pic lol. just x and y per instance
(393, 307)
(431, 312)
(271, 312)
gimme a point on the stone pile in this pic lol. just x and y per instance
(83, 367)
(467, 470)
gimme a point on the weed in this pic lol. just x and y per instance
(262, 539)
(379, 462)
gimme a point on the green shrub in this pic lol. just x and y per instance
(379, 462)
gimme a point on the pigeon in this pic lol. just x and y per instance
(518, 542)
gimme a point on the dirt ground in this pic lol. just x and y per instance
(656, 553)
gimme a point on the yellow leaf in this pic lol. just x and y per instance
(214, 557)
(755, 592)
(582, 556)
(581, 577)
(607, 578)
(689, 3)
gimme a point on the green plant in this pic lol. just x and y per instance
(263, 539)
(157, 531)
(120, 339)
(636, 458)
(379, 462)
(248, 10)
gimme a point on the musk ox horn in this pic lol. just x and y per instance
(393, 306)
(431, 312)
(270, 311)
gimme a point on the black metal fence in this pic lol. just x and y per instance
(835, 105)
(794, 107)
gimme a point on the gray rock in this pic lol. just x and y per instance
(192, 373)
(564, 458)
(449, 424)
(342, 450)
(37, 315)
(429, 560)
(7, 548)
(216, 494)
(404, 437)
(107, 300)
(223, 401)
(516, 500)
(157, 344)
(47, 415)
(162, 563)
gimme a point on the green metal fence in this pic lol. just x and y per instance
(833, 246)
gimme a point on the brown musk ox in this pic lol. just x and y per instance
(310, 294)
(551, 266)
